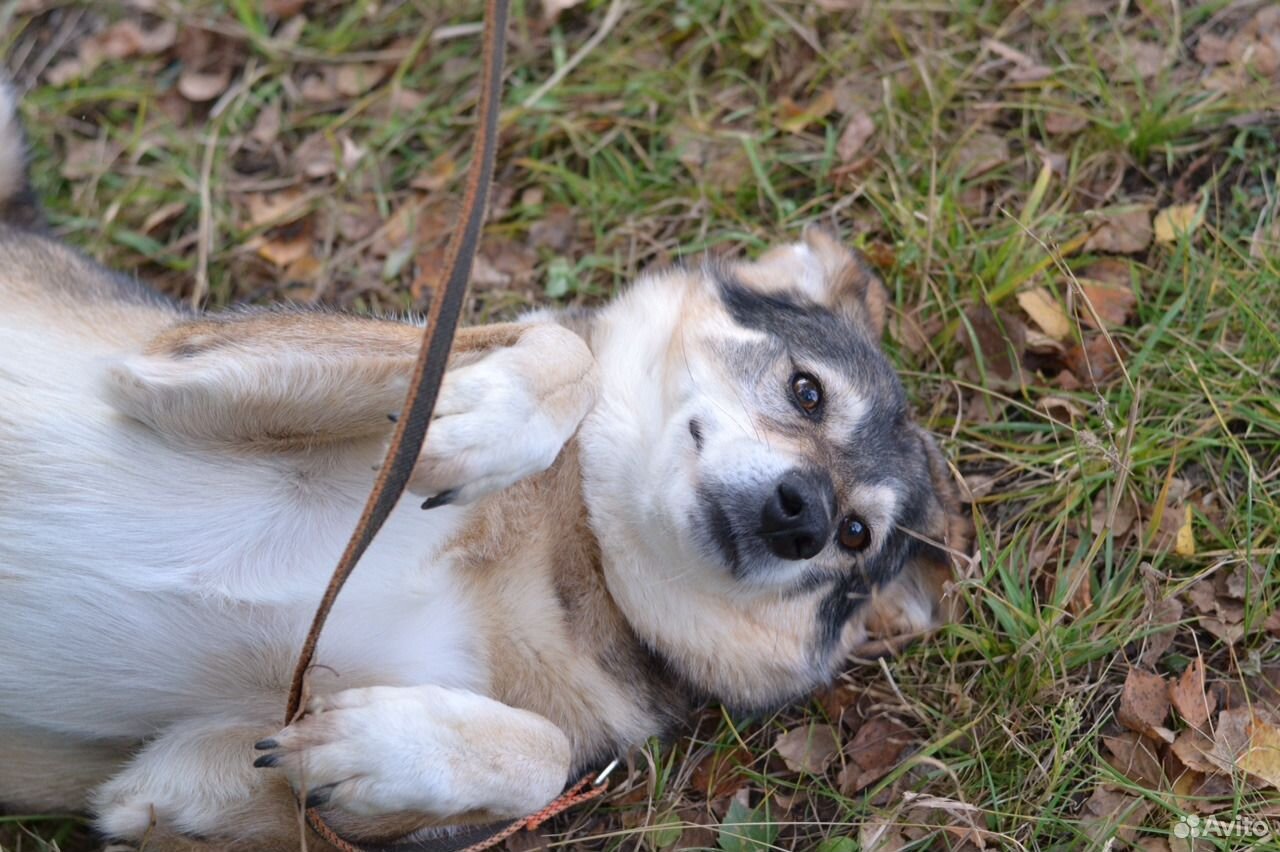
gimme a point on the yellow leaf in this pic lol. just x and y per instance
(1040, 305)
(793, 117)
(1263, 756)
(1176, 221)
(1185, 543)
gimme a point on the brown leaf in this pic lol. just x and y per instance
(319, 87)
(1110, 812)
(1144, 703)
(276, 208)
(315, 156)
(1230, 737)
(1126, 231)
(1094, 361)
(555, 230)
(807, 748)
(1111, 304)
(980, 154)
(1193, 749)
(1000, 338)
(1212, 49)
(283, 8)
(854, 136)
(122, 40)
(1167, 612)
(1188, 697)
(1133, 757)
(1064, 123)
(720, 773)
(1203, 597)
(551, 9)
(201, 86)
(875, 750)
(266, 127)
(289, 245)
(354, 79)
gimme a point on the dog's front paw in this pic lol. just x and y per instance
(504, 418)
(425, 749)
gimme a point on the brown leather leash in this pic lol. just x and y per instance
(411, 431)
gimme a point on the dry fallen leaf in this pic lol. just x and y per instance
(981, 153)
(1188, 697)
(1113, 305)
(354, 79)
(1134, 757)
(555, 230)
(201, 86)
(1193, 749)
(1263, 756)
(1176, 221)
(1046, 312)
(808, 748)
(720, 773)
(1230, 737)
(874, 751)
(266, 127)
(854, 136)
(1166, 612)
(1063, 123)
(1184, 543)
(1109, 812)
(1000, 338)
(283, 8)
(122, 40)
(794, 117)
(551, 9)
(1126, 231)
(290, 245)
(1144, 703)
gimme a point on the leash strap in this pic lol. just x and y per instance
(442, 322)
(411, 431)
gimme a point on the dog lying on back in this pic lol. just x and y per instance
(709, 488)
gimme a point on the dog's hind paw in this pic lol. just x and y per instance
(425, 749)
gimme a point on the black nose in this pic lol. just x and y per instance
(796, 520)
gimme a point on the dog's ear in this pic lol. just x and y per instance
(851, 284)
(824, 270)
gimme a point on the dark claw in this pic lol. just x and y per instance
(267, 761)
(444, 498)
(394, 418)
(320, 796)
(263, 745)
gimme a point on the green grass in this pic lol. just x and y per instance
(668, 139)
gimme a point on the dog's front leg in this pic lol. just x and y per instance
(505, 414)
(429, 750)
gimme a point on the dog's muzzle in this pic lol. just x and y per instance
(798, 516)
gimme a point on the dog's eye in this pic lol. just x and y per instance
(807, 391)
(854, 534)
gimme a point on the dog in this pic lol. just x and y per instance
(709, 488)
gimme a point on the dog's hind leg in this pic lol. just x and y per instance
(195, 779)
(382, 761)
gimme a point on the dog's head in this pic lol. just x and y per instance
(773, 479)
